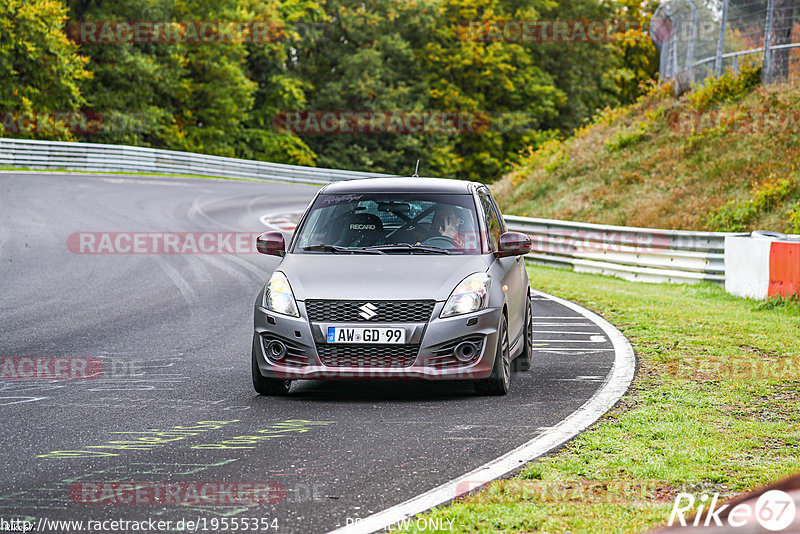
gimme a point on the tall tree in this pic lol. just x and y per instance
(40, 69)
(362, 58)
(635, 56)
(468, 70)
(184, 93)
(414, 56)
(271, 65)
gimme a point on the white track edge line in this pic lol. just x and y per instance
(613, 388)
(268, 216)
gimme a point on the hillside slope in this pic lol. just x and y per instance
(724, 157)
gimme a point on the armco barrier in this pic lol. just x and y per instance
(638, 254)
(119, 158)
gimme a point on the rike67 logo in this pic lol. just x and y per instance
(774, 510)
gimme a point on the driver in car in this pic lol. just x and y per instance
(448, 224)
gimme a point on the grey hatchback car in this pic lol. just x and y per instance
(395, 278)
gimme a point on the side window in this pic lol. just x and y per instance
(495, 227)
(503, 227)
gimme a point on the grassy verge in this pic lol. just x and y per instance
(723, 157)
(713, 408)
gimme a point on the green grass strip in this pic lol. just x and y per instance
(714, 407)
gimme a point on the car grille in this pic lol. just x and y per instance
(295, 354)
(368, 355)
(383, 311)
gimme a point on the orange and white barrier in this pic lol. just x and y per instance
(763, 265)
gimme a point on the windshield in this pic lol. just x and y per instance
(393, 223)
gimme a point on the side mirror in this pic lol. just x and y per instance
(514, 244)
(271, 243)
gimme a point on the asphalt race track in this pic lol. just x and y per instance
(169, 402)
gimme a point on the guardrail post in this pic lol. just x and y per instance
(766, 65)
(674, 56)
(723, 23)
(690, 45)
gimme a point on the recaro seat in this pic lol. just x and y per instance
(360, 230)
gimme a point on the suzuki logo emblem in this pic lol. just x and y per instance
(367, 311)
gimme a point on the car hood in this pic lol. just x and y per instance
(378, 277)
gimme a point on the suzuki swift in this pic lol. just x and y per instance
(395, 278)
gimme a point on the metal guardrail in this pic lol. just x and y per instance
(638, 254)
(119, 158)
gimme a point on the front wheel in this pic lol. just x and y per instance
(499, 381)
(264, 385)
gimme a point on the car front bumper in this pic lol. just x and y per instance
(427, 353)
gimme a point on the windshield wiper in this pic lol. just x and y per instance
(322, 247)
(410, 248)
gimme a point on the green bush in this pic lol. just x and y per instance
(627, 138)
(735, 216)
(794, 218)
(624, 139)
(727, 88)
(551, 155)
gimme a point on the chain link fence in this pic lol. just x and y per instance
(698, 38)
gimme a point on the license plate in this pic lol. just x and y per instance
(385, 336)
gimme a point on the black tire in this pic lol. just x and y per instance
(499, 381)
(264, 385)
(523, 361)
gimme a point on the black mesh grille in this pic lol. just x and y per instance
(380, 311)
(368, 355)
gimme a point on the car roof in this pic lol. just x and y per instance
(401, 185)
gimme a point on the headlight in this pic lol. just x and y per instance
(472, 294)
(278, 295)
